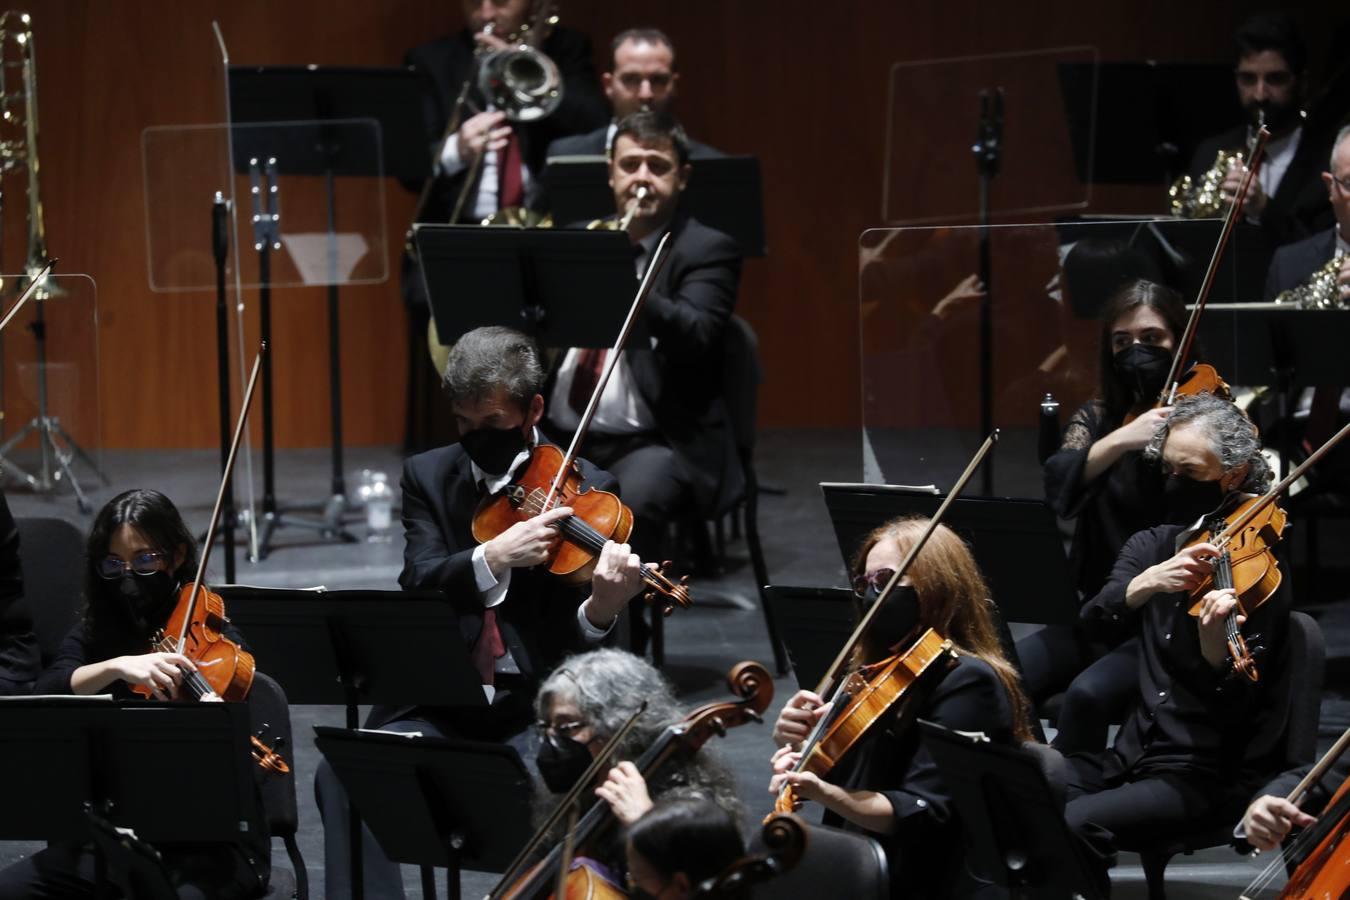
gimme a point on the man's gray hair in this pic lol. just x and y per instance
(1232, 436)
(489, 359)
(1340, 136)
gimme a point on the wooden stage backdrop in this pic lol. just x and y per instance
(802, 85)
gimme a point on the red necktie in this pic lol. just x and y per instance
(590, 363)
(489, 647)
(510, 186)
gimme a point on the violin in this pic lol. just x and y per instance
(1319, 855)
(1246, 563)
(556, 876)
(1201, 378)
(195, 626)
(785, 838)
(553, 478)
(862, 697)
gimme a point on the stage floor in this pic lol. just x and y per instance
(702, 642)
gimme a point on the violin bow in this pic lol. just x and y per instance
(220, 496)
(831, 676)
(27, 292)
(1193, 323)
(648, 279)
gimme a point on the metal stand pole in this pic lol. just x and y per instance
(220, 245)
(988, 142)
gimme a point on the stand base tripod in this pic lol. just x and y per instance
(54, 445)
(324, 518)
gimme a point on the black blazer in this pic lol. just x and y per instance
(593, 144)
(1293, 263)
(19, 658)
(538, 618)
(681, 378)
(1300, 207)
(449, 61)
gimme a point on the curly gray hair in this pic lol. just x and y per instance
(1232, 436)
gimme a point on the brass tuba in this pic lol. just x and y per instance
(1203, 198)
(19, 134)
(1320, 291)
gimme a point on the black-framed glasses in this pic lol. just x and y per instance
(874, 580)
(1343, 183)
(147, 563)
(561, 729)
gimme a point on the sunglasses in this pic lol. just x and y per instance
(875, 580)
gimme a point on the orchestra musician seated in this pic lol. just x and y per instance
(678, 845)
(1270, 817)
(888, 785)
(19, 657)
(642, 78)
(518, 619)
(1202, 735)
(138, 557)
(661, 426)
(1293, 264)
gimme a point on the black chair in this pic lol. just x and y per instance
(53, 565)
(271, 715)
(836, 864)
(1300, 683)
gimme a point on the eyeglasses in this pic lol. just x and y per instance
(875, 580)
(147, 563)
(1343, 183)
(561, 729)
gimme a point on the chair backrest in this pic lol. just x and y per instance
(1304, 668)
(836, 864)
(53, 567)
(271, 714)
(741, 378)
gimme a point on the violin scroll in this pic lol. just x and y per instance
(785, 837)
(269, 758)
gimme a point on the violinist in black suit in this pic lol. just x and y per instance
(642, 77)
(512, 157)
(517, 620)
(662, 425)
(1285, 199)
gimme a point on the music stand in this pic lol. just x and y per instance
(126, 761)
(1009, 538)
(815, 623)
(391, 100)
(565, 288)
(434, 802)
(1014, 823)
(725, 193)
(352, 647)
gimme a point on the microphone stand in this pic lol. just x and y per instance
(988, 144)
(220, 245)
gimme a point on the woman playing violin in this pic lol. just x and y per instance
(138, 556)
(1100, 478)
(888, 784)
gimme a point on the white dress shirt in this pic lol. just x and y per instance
(1279, 154)
(485, 203)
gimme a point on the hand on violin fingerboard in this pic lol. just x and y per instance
(617, 579)
(800, 714)
(1215, 609)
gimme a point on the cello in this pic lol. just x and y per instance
(552, 478)
(555, 876)
(862, 695)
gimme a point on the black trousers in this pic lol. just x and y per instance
(1098, 684)
(68, 870)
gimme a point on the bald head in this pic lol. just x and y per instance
(1337, 180)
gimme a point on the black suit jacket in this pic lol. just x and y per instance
(1299, 207)
(19, 660)
(593, 144)
(449, 61)
(538, 618)
(681, 378)
(1293, 263)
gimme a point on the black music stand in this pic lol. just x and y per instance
(566, 288)
(125, 760)
(392, 99)
(1014, 822)
(815, 623)
(725, 193)
(435, 802)
(351, 647)
(1016, 543)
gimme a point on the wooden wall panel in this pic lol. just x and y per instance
(802, 85)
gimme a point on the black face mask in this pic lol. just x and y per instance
(896, 620)
(1187, 500)
(493, 449)
(1143, 367)
(148, 599)
(561, 762)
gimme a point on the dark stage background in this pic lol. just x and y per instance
(802, 85)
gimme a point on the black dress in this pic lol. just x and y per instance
(926, 849)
